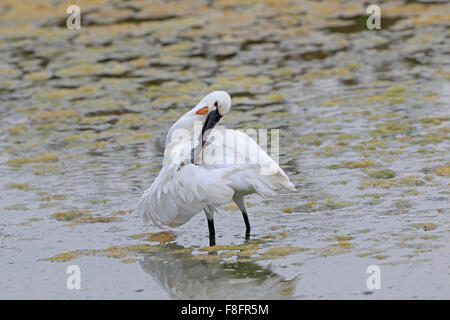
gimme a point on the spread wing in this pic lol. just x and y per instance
(226, 165)
(181, 189)
(255, 171)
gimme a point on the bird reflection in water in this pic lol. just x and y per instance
(187, 276)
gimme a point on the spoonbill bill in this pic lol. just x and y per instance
(205, 166)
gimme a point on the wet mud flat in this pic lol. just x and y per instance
(364, 135)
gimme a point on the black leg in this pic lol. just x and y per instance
(247, 224)
(239, 199)
(212, 233)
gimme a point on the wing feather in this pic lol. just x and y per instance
(180, 191)
(232, 164)
(257, 171)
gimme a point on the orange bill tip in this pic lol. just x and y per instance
(203, 110)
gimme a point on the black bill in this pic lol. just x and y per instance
(211, 120)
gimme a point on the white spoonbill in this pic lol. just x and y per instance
(226, 166)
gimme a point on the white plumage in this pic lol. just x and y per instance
(228, 167)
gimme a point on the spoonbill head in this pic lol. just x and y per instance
(208, 111)
(184, 187)
(216, 100)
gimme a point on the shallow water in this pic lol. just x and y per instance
(363, 118)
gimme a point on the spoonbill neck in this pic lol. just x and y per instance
(184, 127)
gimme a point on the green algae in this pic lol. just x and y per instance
(427, 226)
(377, 183)
(410, 181)
(42, 169)
(163, 236)
(93, 219)
(310, 140)
(276, 235)
(30, 220)
(354, 164)
(121, 212)
(64, 257)
(116, 252)
(282, 251)
(123, 251)
(344, 238)
(348, 136)
(315, 206)
(18, 186)
(335, 249)
(334, 205)
(129, 260)
(288, 210)
(53, 197)
(443, 171)
(18, 129)
(392, 128)
(382, 174)
(18, 207)
(38, 158)
(55, 116)
(70, 215)
(307, 207)
(410, 193)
